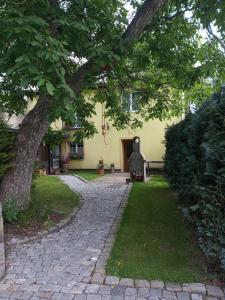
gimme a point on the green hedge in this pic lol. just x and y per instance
(6, 142)
(195, 165)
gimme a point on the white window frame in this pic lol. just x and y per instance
(76, 148)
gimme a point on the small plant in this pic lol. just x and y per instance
(66, 159)
(76, 156)
(10, 211)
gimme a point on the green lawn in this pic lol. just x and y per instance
(88, 175)
(50, 199)
(153, 242)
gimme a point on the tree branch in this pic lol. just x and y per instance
(177, 14)
(141, 20)
(210, 32)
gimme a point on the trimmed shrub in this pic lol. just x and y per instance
(195, 165)
(6, 144)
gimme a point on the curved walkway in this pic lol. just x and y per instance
(61, 265)
(55, 266)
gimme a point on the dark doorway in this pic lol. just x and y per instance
(127, 151)
(55, 154)
(49, 159)
(44, 157)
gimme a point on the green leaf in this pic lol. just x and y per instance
(50, 88)
(41, 82)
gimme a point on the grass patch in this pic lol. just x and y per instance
(51, 201)
(88, 175)
(153, 241)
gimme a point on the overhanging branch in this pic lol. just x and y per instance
(210, 32)
(141, 20)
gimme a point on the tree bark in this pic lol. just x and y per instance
(16, 183)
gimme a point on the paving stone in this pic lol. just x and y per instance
(155, 292)
(212, 298)
(157, 284)
(118, 291)
(214, 291)
(169, 295)
(94, 297)
(21, 295)
(196, 297)
(143, 292)
(131, 292)
(86, 279)
(198, 288)
(78, 289)
(130, 298)
(61, 296)
(106, 297)
(173, 287)
(50, 288)
(105, 290)
(183, 296)
(43, 295)
(111, 280)
(117, 298)
(80, 297)
(92, 289)
(126, 282)
(98, 278)
(66, 290)
(142, 283)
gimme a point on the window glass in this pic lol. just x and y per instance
(135, 101)
(130, 102)
(126, 102)
(77, 150)
(77, 123)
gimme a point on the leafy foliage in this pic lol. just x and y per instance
(195, 165)
(10, 211)
(44, 43)
(53, 137)
(6, 139)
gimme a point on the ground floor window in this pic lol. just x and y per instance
(77, 150)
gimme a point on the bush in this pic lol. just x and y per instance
(195, 165)
(6, 144)
(10, 212)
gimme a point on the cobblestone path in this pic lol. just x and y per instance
(54, 266)
(59, 266)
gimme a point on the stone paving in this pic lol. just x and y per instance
(61, 265)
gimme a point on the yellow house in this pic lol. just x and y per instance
(109, 144)
(115, 146)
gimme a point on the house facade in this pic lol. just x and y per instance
(115, 146)
(109, 144)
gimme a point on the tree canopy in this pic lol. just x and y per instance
(48, 46)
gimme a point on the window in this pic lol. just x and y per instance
(77, 150)
(130, 102)
(76, 124)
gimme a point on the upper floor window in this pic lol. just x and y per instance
(76, 124)
(130, 102)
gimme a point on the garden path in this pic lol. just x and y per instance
(61, 264)
(55, 265)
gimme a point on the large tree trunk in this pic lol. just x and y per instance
(17, 182)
